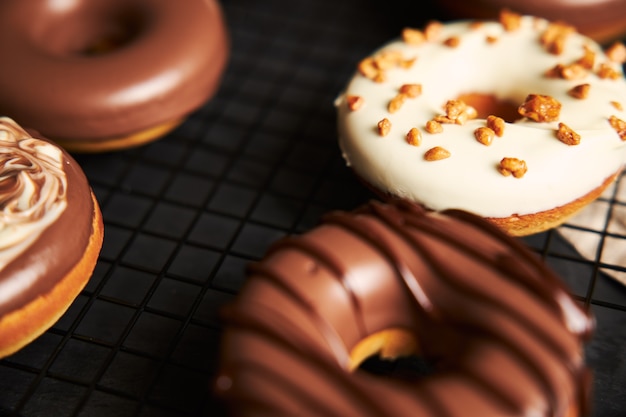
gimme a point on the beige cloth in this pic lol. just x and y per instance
(586, 231)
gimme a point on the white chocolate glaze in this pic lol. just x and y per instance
(33, 188)
(510, 69)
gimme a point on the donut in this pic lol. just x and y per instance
(601, 20)
(104, 75)
(519, 120)
(499, 330)
(51, 233)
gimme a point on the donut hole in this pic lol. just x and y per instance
(406, 368)
(489, 104)
(91, 31)
(391, 352)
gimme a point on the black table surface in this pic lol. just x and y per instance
(185, 214)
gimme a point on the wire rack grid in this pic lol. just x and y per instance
(185, 214)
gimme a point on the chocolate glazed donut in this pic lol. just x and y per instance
(601, 20)
(88, 72)
(502, 333)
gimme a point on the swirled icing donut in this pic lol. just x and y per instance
(602, 20)
(411, 121)
(502, 333)
(50, 234)
(98, 75)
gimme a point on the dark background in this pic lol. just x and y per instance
(185, 214)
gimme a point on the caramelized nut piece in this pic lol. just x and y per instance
(384, 126)
(436, 154)
(554, 37)
(491, 39)
(573, 71)
(540, 108)
(452, 41)
(355, 102)
(414, 137)
(512, 166)
(580, 91)
(407, 63)
(396, 102)
(457, 112)
(411, 90)
(484, 135)
(496, 124)
(617, 105)
(413, 36)
(433, 126)
(619, 125)
(588, 59)
(433, 30)
(510, 21)
(367, 68)
(607, 71)
(617, 52)
(566, 135)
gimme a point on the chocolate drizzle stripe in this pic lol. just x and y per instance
(534, 284)
(328, 332)
(377, 241)
(389, 216)
(514, 334)
(329, 260)
(440, 271)
(294, 343)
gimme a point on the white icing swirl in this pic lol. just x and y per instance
(510, 68)
(32, 190)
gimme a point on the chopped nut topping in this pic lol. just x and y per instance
(580, 91)
(436, 154)
(355, 102)
(512, 166)
(496, 124)
(492, 39)
(368, 68)
(619, 125)
(588, 59)
(384, 126)
(574, 71)
(540, 108)
(554, 37)
(510, 21)
(484, 135)
(433, 29)
(375, 67)
(617, 105)
(607, 71)
(432, 126)
(414, 137)
(476, 24)
(457, 112)
(411, 90)
(413, 36)
(566, 135)
(388, 59)
(452, 41)
(396, 102)
(617, 52)
(407, 63)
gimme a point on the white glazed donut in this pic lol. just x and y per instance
(509, 60)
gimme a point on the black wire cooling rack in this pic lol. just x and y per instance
(185, 214)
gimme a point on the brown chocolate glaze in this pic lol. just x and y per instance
(59, 247)
(97, 69)
(602, 20)
(502, 332)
